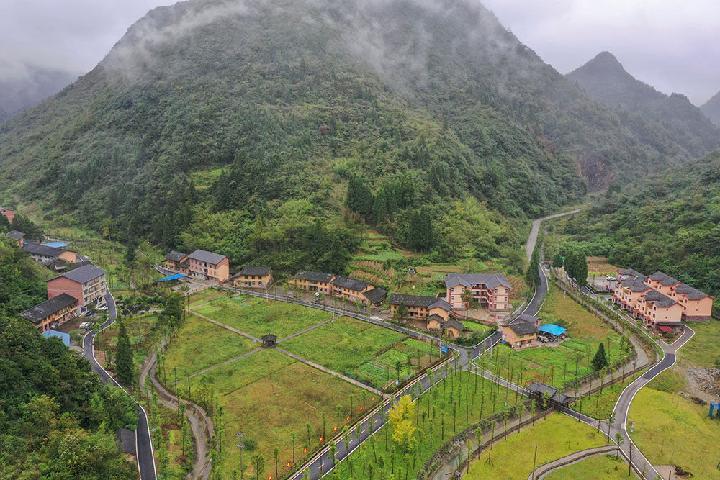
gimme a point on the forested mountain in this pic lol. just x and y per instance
(244, 121)
(56, 419)
(670, 123)
(28, 86)
(712, 109)
(671, 222)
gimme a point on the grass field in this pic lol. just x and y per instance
(260, 317)
(140, 331)
(672, 430)
(702, 350)
(555, 437)
(572, 358)
(601, 467)
(469, 396)
(366, 352)
(199, 344)
(600, 404)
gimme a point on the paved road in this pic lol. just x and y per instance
(575, 457)
(535, 230)
(145, 457)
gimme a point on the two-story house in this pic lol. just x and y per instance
(53, 312)
(253, 277)
(209, 265)
(320, 282)
(487, 290)
(87, 284)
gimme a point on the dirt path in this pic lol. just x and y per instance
(200, 423)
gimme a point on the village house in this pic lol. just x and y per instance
(696, 305)
(661, 300)
(17, 237)
(46, 254)
(521, 331)
(350, 289)
(8, 214)
(657, 309)
(87, 284)
(488, 290)
(253, 277)
(177, 262)
(53, 312)
(313, 282)
(436, 313)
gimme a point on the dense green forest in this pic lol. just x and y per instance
(222, 118)
(56, 419)
(670, 222)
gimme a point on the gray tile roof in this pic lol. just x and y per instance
(524, 324)
(441, 303)
(207, 257)
(492, 280)
(16, 235)
(42, 250)
(653, 296)
(84, 274)
(664, 279)
(41, 311)
(452, 323)
(175, 256)
(350, 283)
(690, 292)
(635, 285)
(412, 300)
(254, 271)
(376, 296)
(315, 276)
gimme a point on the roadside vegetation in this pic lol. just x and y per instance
(600, 467)
(516, 456)
(600, 404)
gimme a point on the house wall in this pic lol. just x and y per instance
(304, 284)
(351, 295)
(441, 312)
(68, 256)
(515, 340)
(412, 312)
(61, 317)
(252, 281)
(60, 285)
(219, 271)
(697, 309)
(496, 300)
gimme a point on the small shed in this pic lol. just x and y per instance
(173, 278)
(64, 337)
(553, 331)
(269, 341)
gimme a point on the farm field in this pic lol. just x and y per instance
(601, 467)
(512, 457)
(371, 354)
(702, 349)
(380, 458)
(570, 360)
(672, 430)
(259, 317)
(199, 344)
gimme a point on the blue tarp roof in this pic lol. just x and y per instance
(56, 244)
(65, 337)
(173, 277)
(553, 329)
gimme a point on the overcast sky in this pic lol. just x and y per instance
(672, 44)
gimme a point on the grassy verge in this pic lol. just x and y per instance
(600, 404)
(702, 350)
(371, 354)
(513, 457)
(601, 467)
(672, 430)
(454, 404)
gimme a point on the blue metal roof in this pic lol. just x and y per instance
(173, 277)
(65, 337)
(56, 244)
(552, 329)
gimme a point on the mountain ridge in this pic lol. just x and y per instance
(711, 109)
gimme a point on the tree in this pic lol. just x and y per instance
(402, 417)
(359, 197)
(124, 357)
(420, 235)
(576, 266)
(25, 225)
(600, 361)
(533, 272)
(259, 465)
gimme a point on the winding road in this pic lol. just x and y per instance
(143, 441)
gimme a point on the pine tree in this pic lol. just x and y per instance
(124, 358)
(600, 360)
(420, 234)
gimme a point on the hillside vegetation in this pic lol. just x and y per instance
(243, 122)
(671, 223)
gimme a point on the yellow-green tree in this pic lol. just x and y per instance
(402, 421)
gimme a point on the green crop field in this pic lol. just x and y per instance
(601, 467)
(199, 344)
(672, 430)
(555, 437)
(366, 352)
(454, 404)
(260, 317)
(572, 358)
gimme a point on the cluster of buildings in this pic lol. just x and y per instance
(69, 295)
(199, 264)
(660, 300)
(347, 288)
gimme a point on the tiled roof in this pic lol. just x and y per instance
(452, 323)
(659, 299)
(16, 235)
(207, 257)
(635, 285)
(42, 250)
(376, 296)
(690, 292)
(664, 279)
(175, 256)
(315, 276)
(441, 303)
(84, 274)
(492, 280)
(524, 324)
(40, 312)
(412, 300)
(350, 283)
(254, 271)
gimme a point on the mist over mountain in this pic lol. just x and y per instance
(27, 86)
(234, 108)
(670, 123)
(711, 109)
